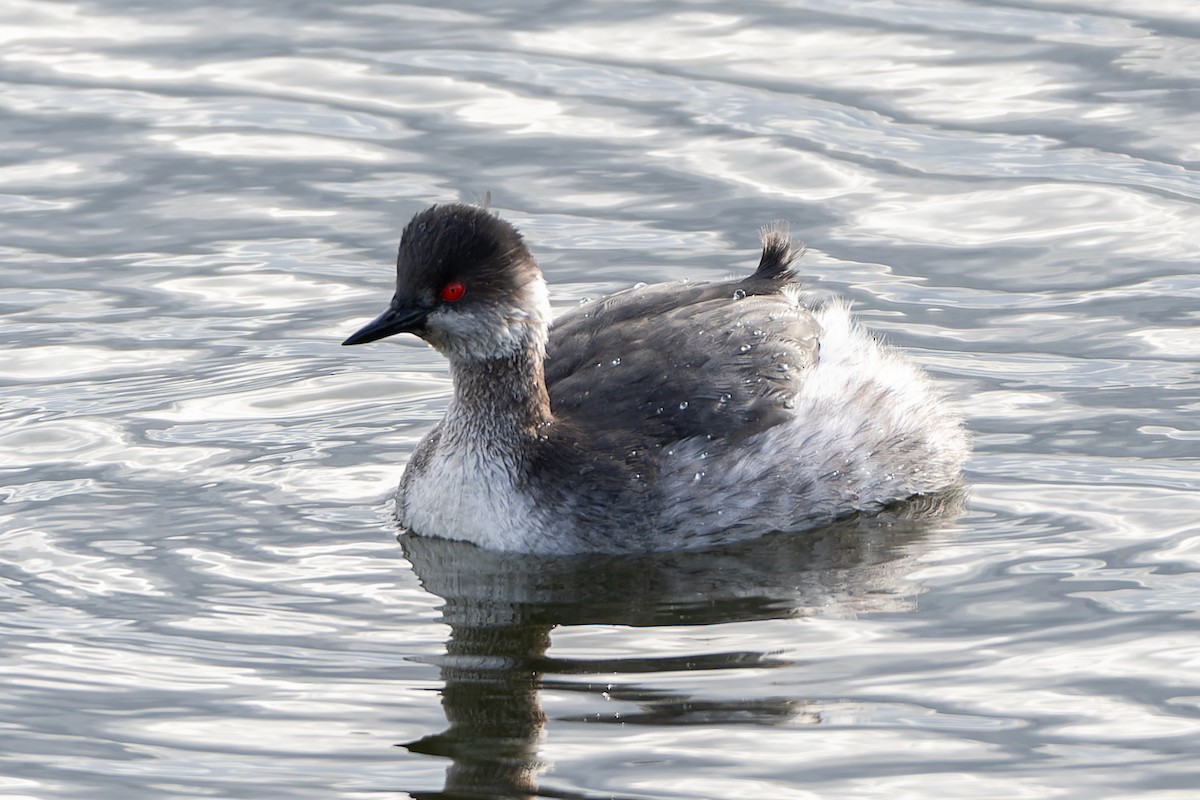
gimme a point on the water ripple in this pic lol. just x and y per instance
(201, 591)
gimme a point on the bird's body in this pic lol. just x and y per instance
(663, 417)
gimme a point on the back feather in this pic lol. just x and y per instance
(777, 254)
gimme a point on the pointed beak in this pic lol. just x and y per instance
(397, 319)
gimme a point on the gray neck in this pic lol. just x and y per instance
(501, 399)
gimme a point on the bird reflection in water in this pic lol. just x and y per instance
(502, 607)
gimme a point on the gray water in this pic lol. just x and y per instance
(201, 591)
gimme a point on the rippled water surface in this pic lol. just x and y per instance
(202, 594)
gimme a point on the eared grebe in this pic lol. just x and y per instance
(663, 417)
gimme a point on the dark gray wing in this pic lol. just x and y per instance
(673, 361)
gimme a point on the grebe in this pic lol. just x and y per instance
(670, 416)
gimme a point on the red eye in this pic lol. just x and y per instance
(452, 291)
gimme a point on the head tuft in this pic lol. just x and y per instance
(453, 241)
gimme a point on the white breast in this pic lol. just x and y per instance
(466, 492)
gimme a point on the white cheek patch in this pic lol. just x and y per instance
(490, 331)
(472, 334)
(538, 296)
